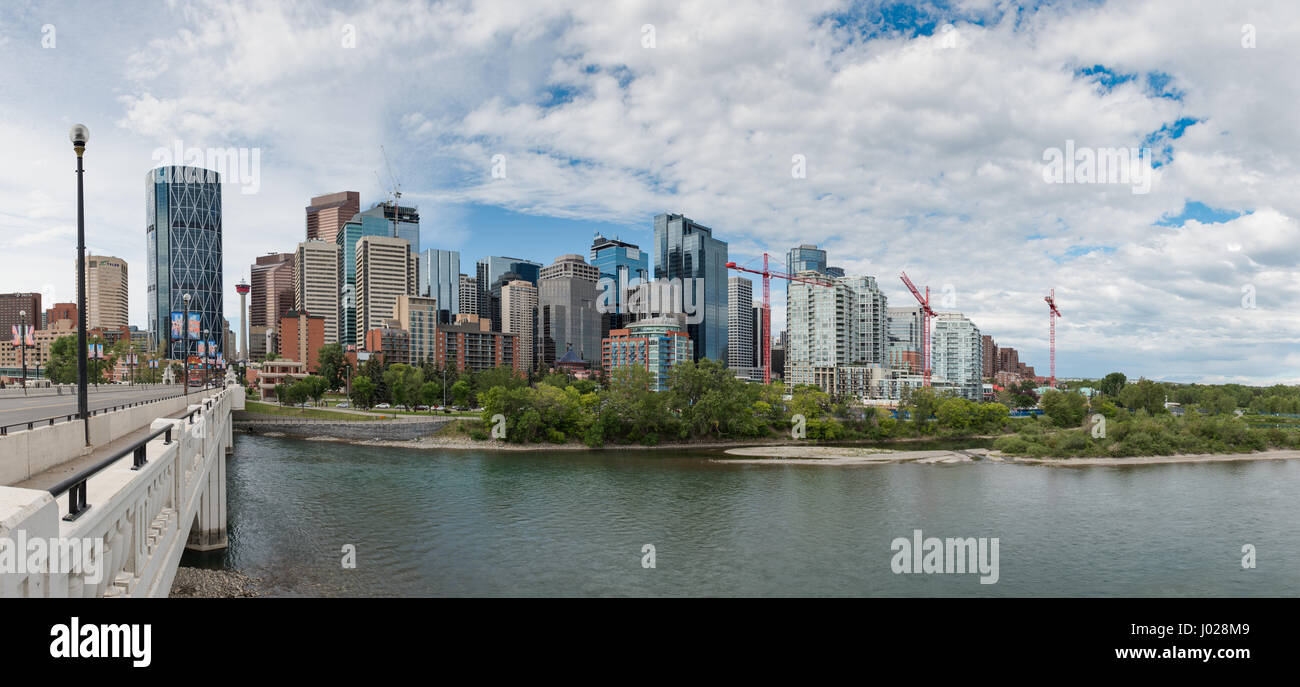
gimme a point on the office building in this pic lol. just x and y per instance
(988, 357)
(106, 292)
(316, 283)
(519, 317)
(621, 266)
(184, 240)
(838, 336)
(440, 280)
(490, 273)
(385, 269)
(353, 230)
(13, 303)
(656, 344)
(740, 328)
(567, 315)
(271, 281)
(905, 338)
(327, 214)
(956, 355)
(419, 317)
(687, 251)
(403, 222)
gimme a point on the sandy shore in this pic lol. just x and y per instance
(833, 455)
(848, 455)
(465, 443)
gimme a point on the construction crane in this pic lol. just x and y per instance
(926, 313)
(394, 190)
(1052, 314)
(767, 275)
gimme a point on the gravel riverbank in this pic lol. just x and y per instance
(200, 583)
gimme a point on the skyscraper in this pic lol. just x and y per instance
(385, 270)
(740, 327)
(957, 354)
(316, 284)
(567, 310)
(687, 251)
(327, 214)
(468, 296)
(271, 275)
(489, 272)
(419, 317)
(519, 315)
(624, 265)
(905, 338)
(838, 336)
(106, 292)
(184, 237)
(13, 303)
(402, 224)
(352, 231)
(440, 279)
(806, 258)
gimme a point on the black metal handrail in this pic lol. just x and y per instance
(75, 486)
(50, 421)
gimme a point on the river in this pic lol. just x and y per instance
(576, 523)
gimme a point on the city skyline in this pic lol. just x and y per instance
(1188, 282)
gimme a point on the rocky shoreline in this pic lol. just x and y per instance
(201, 583)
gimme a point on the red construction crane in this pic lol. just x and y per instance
(926, 313)
(767, 307)
(1052, 314)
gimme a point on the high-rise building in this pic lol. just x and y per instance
(838, 336)
(270, 276)
(806, 258)
(385, 270)
(13, 303)
(440, 280)
(989, 357)
(740, 327)
(184, 236)
(687, 251)
(519, 317)
(327, 214)
(301, 337)
(402, 224)
(316, 284)
(468, 296)
(956, 354)
(352, 231)
(489, 272)
(568, 319)
(621, 266)
(390, 342)
(756, 340)
(419, 316)
(106, 292)
(905, 338)
(655, 343)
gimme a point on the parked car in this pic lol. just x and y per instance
(383, 406)
(421, 407)
(344, 404)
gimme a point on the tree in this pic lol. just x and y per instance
(460, 392)
(404, 384)
(1147, 395)
(62, 365)
(332, 364)
(363, 392)
(431, 393)
(316, 386)
(1112, 384)
(1064, 409)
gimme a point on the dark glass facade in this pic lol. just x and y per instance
(183, 233)
(687, 250)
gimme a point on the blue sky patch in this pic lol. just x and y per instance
(1196, 210)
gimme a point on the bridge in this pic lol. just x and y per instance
(153, 485)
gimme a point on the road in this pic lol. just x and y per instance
(20, 409)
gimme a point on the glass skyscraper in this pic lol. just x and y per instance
(183, 234)
(809, 257)
(439, 279)
(362, 224)
(622, 263)
(489, 272)
(687, 251)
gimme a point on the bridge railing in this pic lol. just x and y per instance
(69, 417)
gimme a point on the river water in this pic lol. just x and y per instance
(575, 523)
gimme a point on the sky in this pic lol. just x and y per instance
(951, 140)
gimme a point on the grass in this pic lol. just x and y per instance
(309, 413)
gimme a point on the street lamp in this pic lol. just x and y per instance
(185, 343)
(207, 354)
(22, 344)
(79, 135)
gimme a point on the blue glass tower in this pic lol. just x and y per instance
(360, 225)
(622, 263)
(439, 279)
(686, 250)
(183, 235)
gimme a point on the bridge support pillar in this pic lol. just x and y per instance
(208, 532)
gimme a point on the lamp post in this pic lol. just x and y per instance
(185, 343)
(207, 355)
(80, 135)
(22, 344)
